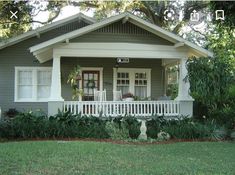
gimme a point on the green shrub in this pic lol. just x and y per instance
(5, 129)
(28, 125)
(163, 136)
(117, 131)
(219, 134)
(189, 129)
(154, 126)
(92, 127)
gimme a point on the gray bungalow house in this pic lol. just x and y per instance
(118, 55)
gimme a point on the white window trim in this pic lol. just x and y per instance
(34, 76)
(132, 72)
(100, 69)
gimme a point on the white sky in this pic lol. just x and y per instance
(65, 12)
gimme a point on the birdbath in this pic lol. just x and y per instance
(143, 129)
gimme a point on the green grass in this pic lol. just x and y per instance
(80, 157)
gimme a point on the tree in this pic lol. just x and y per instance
(152, 11)
(229, 11)
(26, 11)
(213, 79)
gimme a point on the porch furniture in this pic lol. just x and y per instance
(100, 95)
(117, 95)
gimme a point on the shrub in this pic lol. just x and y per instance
(117, 131)
(92, 127)
(154, 126)
(12, 112)
(5, 129)
(133, 126)
(64, 124)
(28, 125)
(163, 136)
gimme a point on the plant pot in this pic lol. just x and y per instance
(128, 99)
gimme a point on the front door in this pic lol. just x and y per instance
(90, 81)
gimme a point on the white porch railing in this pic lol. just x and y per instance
(122, 108)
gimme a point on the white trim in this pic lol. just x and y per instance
(100, 69)
(107, 50)
(34, 79)
(44, 29)
(132, 72)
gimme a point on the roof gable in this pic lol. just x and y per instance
(118, 32)
(46, 28)
(47, 45)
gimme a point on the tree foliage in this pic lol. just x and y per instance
(26, 11)
(229, 12)
(153, 11)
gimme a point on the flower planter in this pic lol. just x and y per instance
(128, 99)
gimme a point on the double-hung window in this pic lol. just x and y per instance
(32, 84)
(133, 80)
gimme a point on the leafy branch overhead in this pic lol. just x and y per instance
(152, 11)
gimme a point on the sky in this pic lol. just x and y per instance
(65, 12)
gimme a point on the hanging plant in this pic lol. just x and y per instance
(74, 80)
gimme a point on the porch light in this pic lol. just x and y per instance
(122, 60)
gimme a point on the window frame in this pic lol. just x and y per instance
(34, 71)
(132, 72)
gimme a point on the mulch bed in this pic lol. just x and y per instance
(122, 142)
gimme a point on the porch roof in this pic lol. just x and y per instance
(44, 50)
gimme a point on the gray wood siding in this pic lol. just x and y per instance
(19, 55)
(119, 32)
(108, 63)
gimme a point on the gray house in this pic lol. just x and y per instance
(118, 55)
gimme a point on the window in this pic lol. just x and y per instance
(141, 85)
(123, 82)
(134, 80)
(32, 84)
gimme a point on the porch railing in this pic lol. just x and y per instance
(122, 108)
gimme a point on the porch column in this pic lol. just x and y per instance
(56, 101)
(185, 100)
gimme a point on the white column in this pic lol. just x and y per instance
(184, 86)
(185, 100)
(56, 80)
(55, 102)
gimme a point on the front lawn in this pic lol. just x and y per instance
(83, 157)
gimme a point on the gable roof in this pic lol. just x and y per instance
(43, 29)
(178, 41)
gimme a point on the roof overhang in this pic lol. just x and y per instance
(44, 51)
(38, 31)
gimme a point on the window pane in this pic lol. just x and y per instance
(141, 91)
(44, 84)
(44, 77)
(24, 92)
(44, 91)
(25, 77)
(124, 89)
(25, 82)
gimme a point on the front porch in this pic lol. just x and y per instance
(96, 49)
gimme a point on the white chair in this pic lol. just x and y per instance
(99, 95)
(117, 95)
